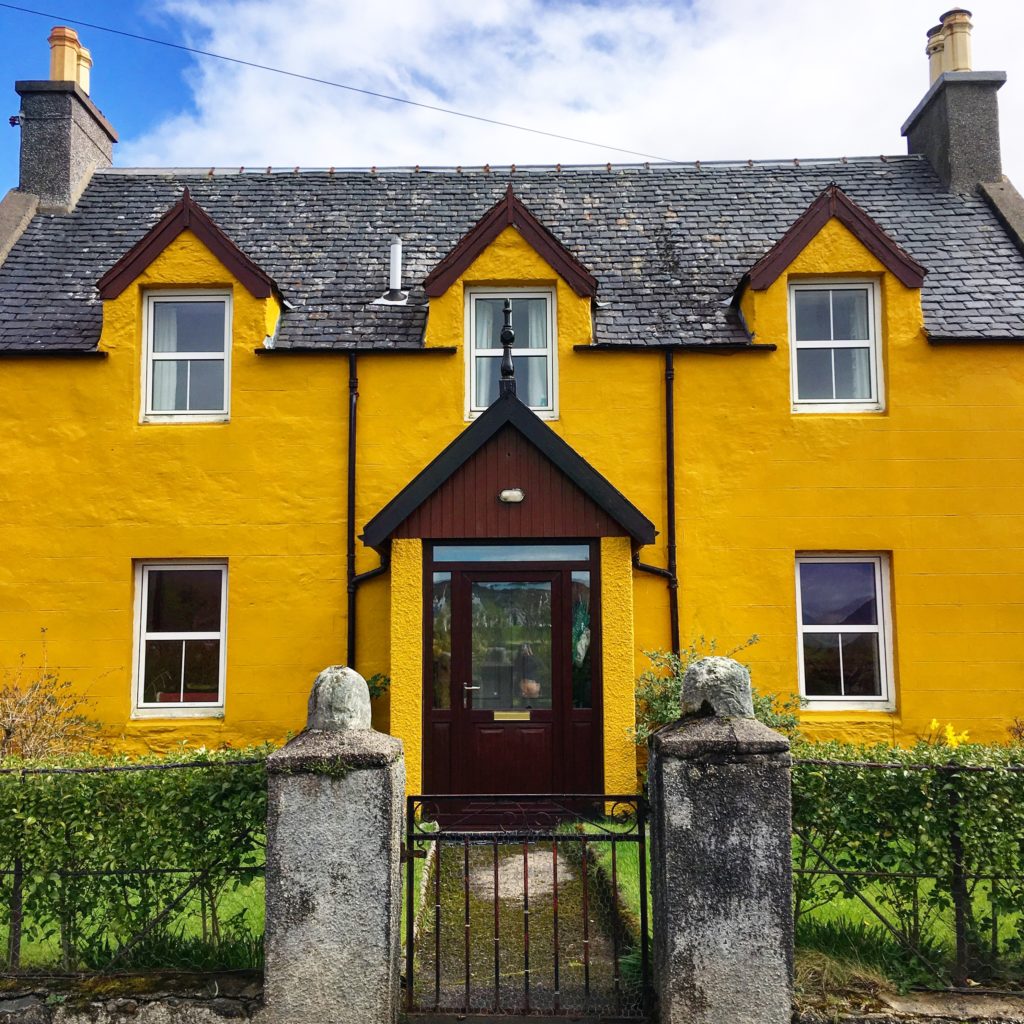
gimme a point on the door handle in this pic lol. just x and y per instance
(465, 688)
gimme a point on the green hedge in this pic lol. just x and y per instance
(164, 860)
(921, 842)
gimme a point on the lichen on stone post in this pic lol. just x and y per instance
(717, 687)
(340, 699)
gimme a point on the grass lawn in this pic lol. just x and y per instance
(179, 942)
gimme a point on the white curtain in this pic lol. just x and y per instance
(537, 322)
(488, 369)
(486, 312)
(165, 371)
(861, 367)
(859, 317)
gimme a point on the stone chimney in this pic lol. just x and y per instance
(64, 137)
(956, 125)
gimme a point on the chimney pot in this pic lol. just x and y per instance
(82, 71)
(956, 32)
(934, 48)
(64, 51)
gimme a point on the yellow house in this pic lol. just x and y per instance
(494, 433)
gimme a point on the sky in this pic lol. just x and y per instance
(678, 79)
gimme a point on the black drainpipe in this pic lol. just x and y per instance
(354, 579)
(670, 574)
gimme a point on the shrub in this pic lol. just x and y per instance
(96, 857)
(659, 691)
(919, 839)
(41, 713)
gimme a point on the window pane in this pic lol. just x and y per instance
(183, 601)
(812, 315)
(188, 326)
(206, 387)
(202, 670)
(821, 665)
(531, 380)
(511, 645)
(511, 553)
(582, 655)
(850, 314)
(488, 370)
(813, 373)
(853, 373)
(862, 676)
(838, 593)
(529, 321)
(170, 385)
(489, 319)
(441, 656)
(161, 683)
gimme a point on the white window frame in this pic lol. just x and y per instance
(886, 701)
(208, 709)
(150, 415)
(874, 345)
(472, 411)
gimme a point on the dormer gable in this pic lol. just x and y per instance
(834, 203)
(509, 211)
(185, 215)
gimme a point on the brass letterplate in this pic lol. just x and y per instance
(511, 716)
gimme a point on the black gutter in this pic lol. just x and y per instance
(348, 350)
(718, 348)
(53, 353)
(670, 574)
(967, 339)
(354, 579)
(670, 481)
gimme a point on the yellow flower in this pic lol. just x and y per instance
(934, 727)
(954, 738)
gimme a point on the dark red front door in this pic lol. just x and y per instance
(510, 690)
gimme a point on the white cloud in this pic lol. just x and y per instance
(710, 80)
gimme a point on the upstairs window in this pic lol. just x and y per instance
(180, 638)
(835, 351)
(188, 349)
(533, 352)
(845, 638)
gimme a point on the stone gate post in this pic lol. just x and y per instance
(721, 857)
(334, 896)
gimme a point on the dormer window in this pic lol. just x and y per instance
(533, 320)
(187, 356)
(835, 351)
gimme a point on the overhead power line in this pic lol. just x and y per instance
(64, 19)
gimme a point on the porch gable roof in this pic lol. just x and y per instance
(508, 411)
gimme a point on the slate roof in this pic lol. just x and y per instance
(667, 243)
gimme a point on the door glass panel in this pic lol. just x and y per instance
(441, 653)
(511, 553)
(511, 645)
(582, 658)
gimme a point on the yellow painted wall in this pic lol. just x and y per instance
(86, 489)
(407, 655)
(936, 481)
(617, 670)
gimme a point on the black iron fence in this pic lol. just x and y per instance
(526, 904)
(913, 870)
(130, 867)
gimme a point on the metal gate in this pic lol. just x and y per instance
(527, 905)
